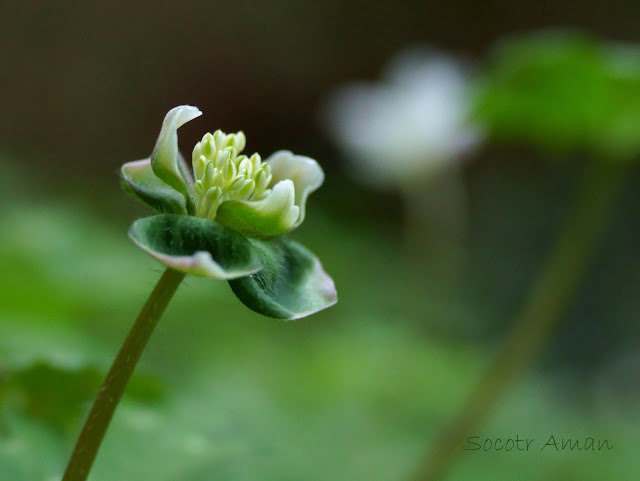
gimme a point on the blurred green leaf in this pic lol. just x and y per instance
(564, 91)
(57, 396)
(52, 395)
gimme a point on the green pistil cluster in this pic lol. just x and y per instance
(221, 174)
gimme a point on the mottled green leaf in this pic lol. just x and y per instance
(196, 246)
(139, 180)
(291, 285)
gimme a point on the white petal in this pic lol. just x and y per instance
(165, 159)
(274, 215)
(304, 172)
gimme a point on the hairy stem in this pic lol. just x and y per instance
(116, 381)
(548, 301)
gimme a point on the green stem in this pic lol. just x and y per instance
(435, 225)
(550, 297)
(116, 381)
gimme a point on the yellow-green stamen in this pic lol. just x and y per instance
(221, 174)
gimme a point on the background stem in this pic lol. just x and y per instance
(549, 299)
(116, 381)
(435, 225)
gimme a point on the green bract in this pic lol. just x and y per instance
(227, 219)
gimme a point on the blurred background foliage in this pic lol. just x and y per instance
(358, 391)
(564, 90)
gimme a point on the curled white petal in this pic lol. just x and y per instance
(304, 172)
(166, 160)
(273, 215)
(280, 203)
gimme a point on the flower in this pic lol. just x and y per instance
(411, 124)
(226, 219)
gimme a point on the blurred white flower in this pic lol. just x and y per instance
(410, 124)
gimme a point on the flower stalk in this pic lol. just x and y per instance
(435, 224)
(551, 296)
(116, 381)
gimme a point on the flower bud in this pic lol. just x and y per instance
(255, 161)
(245, 165)
(262, 179)
(213, 194)
(221, 158)
(247, 189)
(229, 171)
